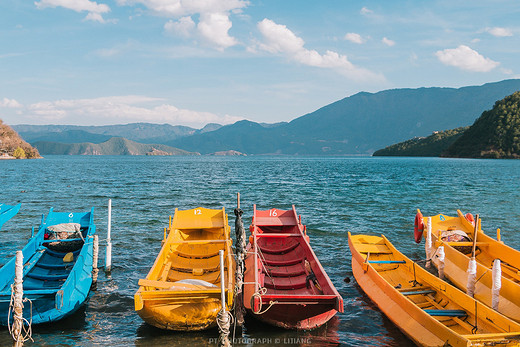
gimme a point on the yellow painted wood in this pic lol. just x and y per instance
(384, 284)
(488, 249)
(190, 252)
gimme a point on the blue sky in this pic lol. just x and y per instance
(193, 62)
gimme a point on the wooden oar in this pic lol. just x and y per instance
(475, 237)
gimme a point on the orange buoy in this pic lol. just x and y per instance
(418, 227)
(469, 218)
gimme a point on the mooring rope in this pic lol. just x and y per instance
(23, 332)
(224, 321)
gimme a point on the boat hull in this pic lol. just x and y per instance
(456, 264)
(426, 309)
(187, 316)
(55, 288)
(285, 284)
(182, 290)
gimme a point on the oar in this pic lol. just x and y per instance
(475, 237)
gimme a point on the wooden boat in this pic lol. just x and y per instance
(458, 254)
(284, 282)
(428, 310)
(182, 290)
(57, 273)
(7, 212)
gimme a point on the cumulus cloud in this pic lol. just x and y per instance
(10, 103)
(116, 109)
(214, 28)
(183, 27)
(499, 32)
(279, 39)
(353, 37)
(466, 58)
(214, 20)
(94, 9)
(388, 42)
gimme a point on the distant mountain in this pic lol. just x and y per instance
(431, 146)
(12, 145)
(359, 124)
(114, 146)
(495, 134)
(139, 132)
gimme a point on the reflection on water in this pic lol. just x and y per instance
(334, 195)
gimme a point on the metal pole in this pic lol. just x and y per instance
(108, 261)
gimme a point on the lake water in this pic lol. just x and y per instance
(333, 194)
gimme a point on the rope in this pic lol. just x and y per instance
(240, 233)
(25, 333)
(224, 321)
(259, 294)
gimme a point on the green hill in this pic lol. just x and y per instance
(495, 134)
(431, 146)
(114, 146)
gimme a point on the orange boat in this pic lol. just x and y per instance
(285, 284)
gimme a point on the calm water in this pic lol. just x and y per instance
(333, 195)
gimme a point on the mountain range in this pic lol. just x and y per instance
(356, 125)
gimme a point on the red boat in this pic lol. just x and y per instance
(284, 282)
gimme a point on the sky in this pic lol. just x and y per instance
(194, 62)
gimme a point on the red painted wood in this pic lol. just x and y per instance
(280, 268)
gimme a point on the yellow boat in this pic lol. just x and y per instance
(428, 310)
(182, 290)
(458, 254)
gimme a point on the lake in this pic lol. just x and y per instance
(363, 195)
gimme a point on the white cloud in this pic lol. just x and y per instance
(466, 58)
(353, 37)
(388, 42)
(183, 27)
(116, 109)
(214, 28)
(181, 8)
(10, 103)
(214, 18)
(279, 39)
(366, 11)
(94, 9)
(499, 32)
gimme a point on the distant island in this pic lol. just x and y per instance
(495, 134)
(12, 146)
(113, 146)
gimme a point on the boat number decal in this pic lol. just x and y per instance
(442, 217)
(197, 211)
(272, 213)
(71, 215)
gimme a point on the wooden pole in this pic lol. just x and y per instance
(95, 256)
(475, 232)
(238, 200)
(18, 305)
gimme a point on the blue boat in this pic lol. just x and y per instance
(7, 212)
(57, 272)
